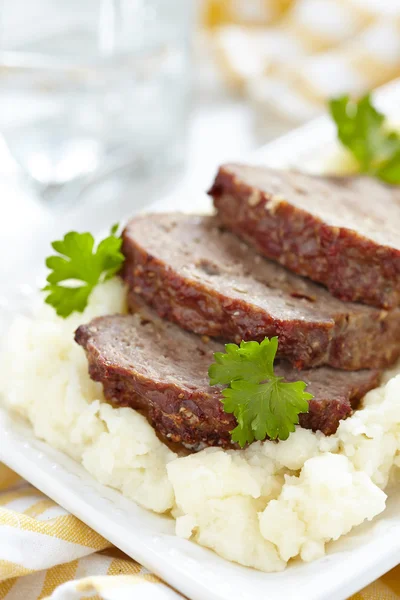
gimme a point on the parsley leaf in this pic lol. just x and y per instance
(361, 129)
(81, 267)
(389, 170)
(263, 404)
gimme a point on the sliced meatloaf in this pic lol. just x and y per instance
(208, 281)
(156, 367)
(343, 232)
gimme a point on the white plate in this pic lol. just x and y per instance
(350, 564)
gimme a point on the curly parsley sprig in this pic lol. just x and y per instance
(263, 404)
(362, 130)
(80, 266)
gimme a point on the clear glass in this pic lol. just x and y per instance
(86, 83)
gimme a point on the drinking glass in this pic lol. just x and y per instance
(88, 84)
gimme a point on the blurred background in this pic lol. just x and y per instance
(108, 105)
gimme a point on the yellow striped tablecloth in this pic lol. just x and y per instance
(47, 553)
(288, 57)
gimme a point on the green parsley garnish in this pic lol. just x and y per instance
(361, 129)
(81, 267)
(263, 404)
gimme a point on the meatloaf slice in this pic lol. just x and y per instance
(343, 232)
(154, 366)
(208, 281)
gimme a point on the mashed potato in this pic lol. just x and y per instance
(260, 506)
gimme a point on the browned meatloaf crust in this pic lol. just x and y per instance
(153, 365)
(343, 232)
(208, 281)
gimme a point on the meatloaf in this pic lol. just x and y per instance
(343, 232)
(160, 369)
(208, 281)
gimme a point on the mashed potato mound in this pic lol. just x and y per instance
(260, 506)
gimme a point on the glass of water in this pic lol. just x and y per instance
(86, 83)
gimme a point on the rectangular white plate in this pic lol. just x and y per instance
(350, 564)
